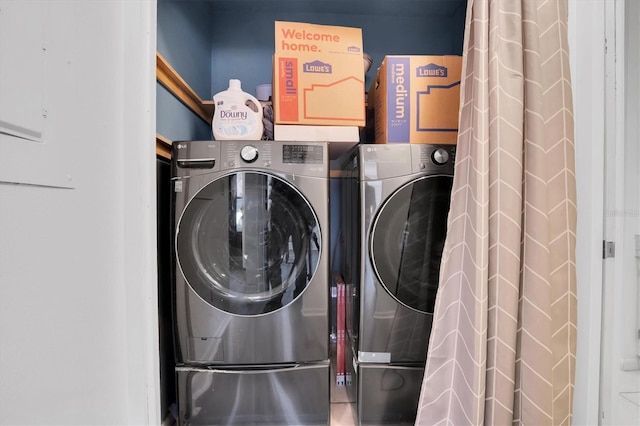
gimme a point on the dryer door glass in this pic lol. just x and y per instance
(248, 243)
(407, 239)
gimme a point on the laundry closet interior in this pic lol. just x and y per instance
(202, 44)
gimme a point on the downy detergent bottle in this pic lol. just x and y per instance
(233, 118)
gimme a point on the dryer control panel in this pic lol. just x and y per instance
(383, 161)
(432, 158)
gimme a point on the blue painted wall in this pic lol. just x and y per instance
(175, 121)
(184, 40)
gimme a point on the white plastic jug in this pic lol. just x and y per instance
(233, 119)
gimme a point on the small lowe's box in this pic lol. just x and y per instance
(416, 99)
(318, 75)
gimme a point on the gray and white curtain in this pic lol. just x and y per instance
(502, 348)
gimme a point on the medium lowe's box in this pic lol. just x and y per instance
(318, 75)
(416, 99)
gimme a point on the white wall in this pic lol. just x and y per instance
(78, 319)
(586, 41)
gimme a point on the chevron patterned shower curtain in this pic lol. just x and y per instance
(502, 348)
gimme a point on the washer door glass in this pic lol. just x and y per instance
(248, 243)
(407, 239)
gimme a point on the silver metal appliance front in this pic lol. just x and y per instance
(251, 249)
(288, 395)
(405, 195)
(388, 394)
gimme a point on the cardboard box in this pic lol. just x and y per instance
(415, 99)
(293, 132)
(318, 75)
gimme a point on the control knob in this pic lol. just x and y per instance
(249, 153)
(440, 156)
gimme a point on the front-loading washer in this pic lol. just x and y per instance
(251, 294)
(401, 195)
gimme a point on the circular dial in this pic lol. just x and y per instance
(249, 153)
(440, 156)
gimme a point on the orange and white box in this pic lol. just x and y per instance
(318, 75)
(416, 99)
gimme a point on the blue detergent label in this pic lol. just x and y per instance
(399, 101)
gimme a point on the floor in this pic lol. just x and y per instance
(342, 414)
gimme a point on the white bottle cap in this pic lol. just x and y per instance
(235, 84)
(263, 92)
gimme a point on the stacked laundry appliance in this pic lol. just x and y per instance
(251, 296)
(394, 208)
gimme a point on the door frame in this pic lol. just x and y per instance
(619, 365)
(586, 33)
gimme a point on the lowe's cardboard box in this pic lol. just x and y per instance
(415, 99)
(318, 75)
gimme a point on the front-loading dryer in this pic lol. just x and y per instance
(402, 196)
(251, 295)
